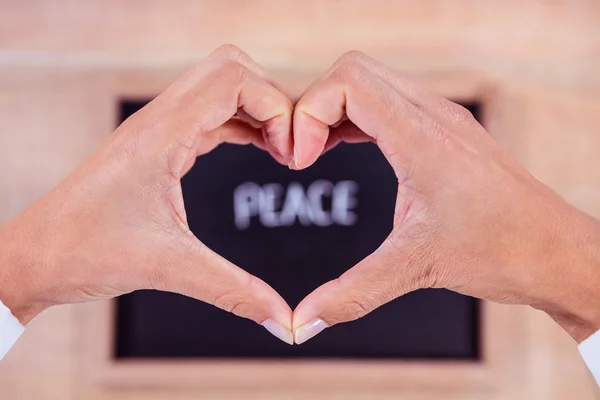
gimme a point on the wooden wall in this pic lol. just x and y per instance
(63, 64)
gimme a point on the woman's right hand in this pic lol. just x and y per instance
(468, 217)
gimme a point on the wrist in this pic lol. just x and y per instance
(573, 268)
(20, 280)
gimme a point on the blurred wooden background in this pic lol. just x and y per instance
(63, 65)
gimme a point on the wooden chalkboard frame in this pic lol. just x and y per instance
(501, 357)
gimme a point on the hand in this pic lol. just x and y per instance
(468, 217)
(118, 223)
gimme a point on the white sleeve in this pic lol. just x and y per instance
(590, 351)
(10, 330)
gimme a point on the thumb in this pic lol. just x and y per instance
(368, 285)
(196, 271)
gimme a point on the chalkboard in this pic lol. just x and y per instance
(295, 230)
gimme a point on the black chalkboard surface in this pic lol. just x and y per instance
(295, 230)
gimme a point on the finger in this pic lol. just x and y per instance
(372, 105)
(278, 142)
(221, 56)
(244, 116)
(444, 110)
(196, 271)
(360, 290)
(346, 132)
(233, 53)
(237, 132)
(214, 101)
(265, 140)
(233, 131)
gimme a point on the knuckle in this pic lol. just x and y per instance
(233, 70)
(352, 55)
(350, 71)
(349, 67)
(229, 51)
(458, 112)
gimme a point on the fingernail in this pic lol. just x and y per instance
(294, 163)
(290, 165)
(309, 330)
(279, 331)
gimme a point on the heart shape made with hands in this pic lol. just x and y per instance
(317, 123)
(356, 100)
(126, 207)
(293, 229)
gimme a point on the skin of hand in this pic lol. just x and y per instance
(118, 223)
(468, 217)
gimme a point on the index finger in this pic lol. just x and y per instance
(206, 98)
(371, 104)
(213, 101)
